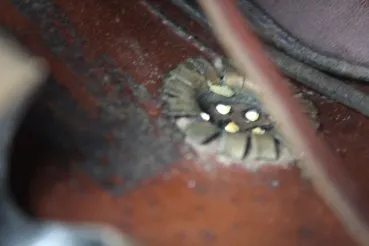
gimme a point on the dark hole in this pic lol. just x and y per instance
(33, 148)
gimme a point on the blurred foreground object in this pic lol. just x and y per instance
(21, 75)
(324, 70)
(324, 169)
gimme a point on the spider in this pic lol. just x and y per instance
(212, 112)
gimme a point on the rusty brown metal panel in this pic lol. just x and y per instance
(182, 204)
